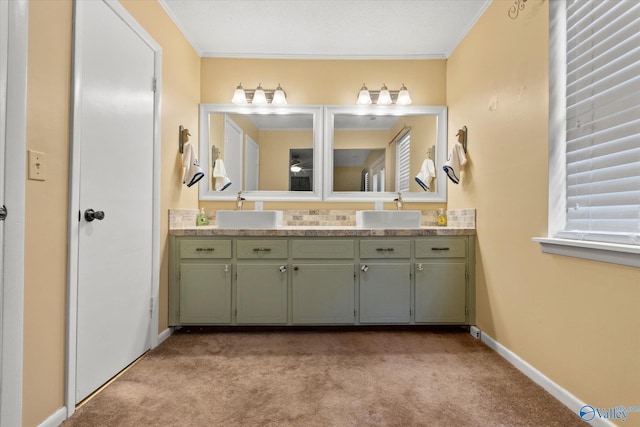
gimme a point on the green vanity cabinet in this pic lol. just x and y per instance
(442, 293)
(204, 278)
(343, 277)
(323, 281)
(261, 281)
(385, 281)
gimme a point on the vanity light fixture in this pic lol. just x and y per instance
(384, 96)
(259, 96)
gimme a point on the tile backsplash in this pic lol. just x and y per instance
(456, 218)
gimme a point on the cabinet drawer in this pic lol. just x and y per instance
(205, 248)
(441, 247)
(385, 249)
(265, 249)
(323, 249)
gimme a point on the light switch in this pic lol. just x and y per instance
(37, 166)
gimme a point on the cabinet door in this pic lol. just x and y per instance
(323, 293)
(385, 293)
(205, 293)
(261, 293)
(440, 292)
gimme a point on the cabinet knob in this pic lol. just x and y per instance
(364, 267)
(282, 268)
(296, 268)
(420, 267)
(226, 268)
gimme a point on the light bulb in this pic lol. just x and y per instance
(364, 97)
(279, 97)
(403, 96)
(239, 97)
(384, 97)
(259, 97)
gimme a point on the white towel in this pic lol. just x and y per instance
(220, 177)
(192, 173)
(426, 174)
(457, 159)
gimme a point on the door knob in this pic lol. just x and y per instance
(90, 215)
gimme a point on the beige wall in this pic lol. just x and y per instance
(574, 320)
(274, 156)
(45, 287)
(48, 106)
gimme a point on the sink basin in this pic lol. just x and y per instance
(388, 219)
(249, 219)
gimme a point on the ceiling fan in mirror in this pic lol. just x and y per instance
(298, 166)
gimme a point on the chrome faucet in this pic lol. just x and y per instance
(398, 201)
(239, 201)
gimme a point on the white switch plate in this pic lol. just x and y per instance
(37, 166)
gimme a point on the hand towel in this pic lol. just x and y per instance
(457, 159)
(220, 176)
(192, 173)
(426, 174)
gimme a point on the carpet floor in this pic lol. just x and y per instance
(322, 378)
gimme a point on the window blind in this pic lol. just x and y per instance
(603, 121)
(403, 149)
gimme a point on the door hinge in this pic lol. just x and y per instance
(3, 213)
(154, 84)
(235, 313)
(466, 273)
(79, 216)
(466, 311)
(151, 307)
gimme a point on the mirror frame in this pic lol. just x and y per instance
(440, 195)
(207, 194)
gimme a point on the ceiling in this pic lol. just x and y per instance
(325, 29)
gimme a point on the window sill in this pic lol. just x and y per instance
(605, 252)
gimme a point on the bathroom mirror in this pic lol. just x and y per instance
(372, 152)
(267, 152)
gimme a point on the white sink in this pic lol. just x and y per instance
(388, 219)
(249, 219)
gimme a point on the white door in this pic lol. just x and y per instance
(251, 165)
(233, 153)
(114, 143)
(13, 70)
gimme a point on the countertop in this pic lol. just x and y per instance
(321, 231)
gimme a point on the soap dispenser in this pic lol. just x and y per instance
(442, 217)
(202, 218)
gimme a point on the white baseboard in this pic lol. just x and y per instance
(164, 335)
(562, 395)
(56, 418)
